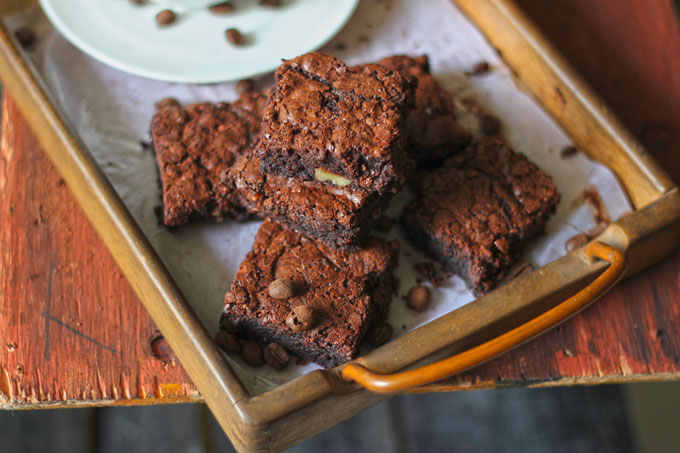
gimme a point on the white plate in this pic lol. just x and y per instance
(194, 48)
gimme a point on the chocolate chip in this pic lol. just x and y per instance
(234, 36)
(418, 298)
(251, 353)
(301, 318)
(165, 17)
(282, 288)
(379, 334)
(222, 8)
(245, 86)
(227, 342)
(167, 103)
(575, 242)
(276, 356)
(489, 124)
(270, 2)
(568, 151)
(25, 36)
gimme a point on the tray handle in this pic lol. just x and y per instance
(396, 382)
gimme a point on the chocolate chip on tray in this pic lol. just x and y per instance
(251, 353)
(222, 8)
(301, 318)
(379, 334)
(165, 17)
(282, 288)
(234, 36)
(227, 342)
(276, 356)
(418, 298)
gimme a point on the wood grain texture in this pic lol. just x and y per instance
(71, 291)
(80, 333)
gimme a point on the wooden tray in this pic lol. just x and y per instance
(312, 403)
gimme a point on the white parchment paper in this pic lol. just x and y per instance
(112, 110)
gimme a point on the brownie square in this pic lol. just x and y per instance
(327, 121)
(476, 212)
(195, 147)
(340, 217)
(432, 132)
(349, 292)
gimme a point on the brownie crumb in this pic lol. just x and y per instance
(480, 68)
(235, 37)
(165, 17)
(25, 36)
(568, 151)
(575, 242)
(489, 124)
(428, 270)
(222, 8)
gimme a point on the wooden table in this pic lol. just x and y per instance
(73, 333)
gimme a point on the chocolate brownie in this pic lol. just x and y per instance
(431, 128)
(195, 147)
(347, 292)
(325, 120)
(476, 212)
(341, 217)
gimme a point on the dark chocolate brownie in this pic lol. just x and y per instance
(431, 128)
(195, 147)
(341, 217)
(476, 212)
(323, 115)
(348, 292)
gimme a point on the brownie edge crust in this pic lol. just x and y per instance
(349, 292)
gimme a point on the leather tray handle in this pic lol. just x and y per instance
(396, 382)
